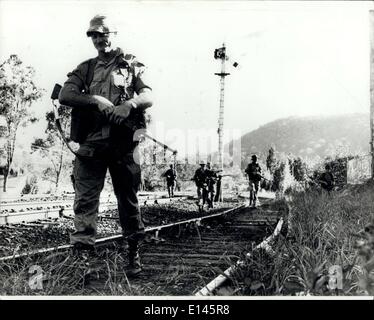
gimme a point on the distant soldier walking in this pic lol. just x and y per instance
(253, 172)
(171, 177)
(211, 181)
(108, 96)
(200, 178)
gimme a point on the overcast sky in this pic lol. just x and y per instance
(295, 58)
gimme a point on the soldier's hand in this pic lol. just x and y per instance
(121, 112)
(105, 106)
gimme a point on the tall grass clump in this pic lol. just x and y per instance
(328, 249)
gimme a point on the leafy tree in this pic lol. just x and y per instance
(17, 93)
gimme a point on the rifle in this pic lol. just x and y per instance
(54, 96)
(130, 123)
(264, 178)
(225, 175)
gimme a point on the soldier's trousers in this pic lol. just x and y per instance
(202, 195)
(171, 187)
(89, 174)
(211, 193)
(253, 189)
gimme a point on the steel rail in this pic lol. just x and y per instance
(32, 203)
(54, 213)
(212, 286)
(28, 216)
(116, 237)
(63, 197)
(40, 202)
(17, 199)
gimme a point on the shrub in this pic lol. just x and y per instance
(31, 186)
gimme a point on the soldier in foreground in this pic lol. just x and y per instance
(253, 172)
(170, 176)
(108, 96)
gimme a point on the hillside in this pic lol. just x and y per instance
(309, 137)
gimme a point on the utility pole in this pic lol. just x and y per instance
(371, 21)
(220, 53)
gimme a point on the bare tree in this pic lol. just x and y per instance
(17, 93)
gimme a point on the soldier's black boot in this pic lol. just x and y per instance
(86, 259)
(135, 266)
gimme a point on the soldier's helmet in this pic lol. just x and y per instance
(254, 157)
(202, 163)
(99, 23)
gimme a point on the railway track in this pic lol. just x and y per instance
(48, 198)
(179, 258)
(24, 212)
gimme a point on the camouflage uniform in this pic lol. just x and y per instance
(211, 181)
(107, 146)
(170, 175)
(200, 179)
(253, 171)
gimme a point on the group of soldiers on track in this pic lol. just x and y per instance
(208, 180)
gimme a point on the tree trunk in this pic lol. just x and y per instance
(6, 172)
(61, 159)
(57, 179)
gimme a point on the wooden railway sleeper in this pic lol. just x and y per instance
(190, 225)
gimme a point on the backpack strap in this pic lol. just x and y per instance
(90, 73)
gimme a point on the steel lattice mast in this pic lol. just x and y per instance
(221, 54)
(372, 91)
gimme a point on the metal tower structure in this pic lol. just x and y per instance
(220, 53)
(372, 91)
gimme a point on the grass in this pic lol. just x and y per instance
(64, 274)
(327, 234)
(61, 274)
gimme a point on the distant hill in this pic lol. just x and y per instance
(309, 137)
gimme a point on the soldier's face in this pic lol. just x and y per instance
(101, 41)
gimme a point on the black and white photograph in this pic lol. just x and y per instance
(192, 150)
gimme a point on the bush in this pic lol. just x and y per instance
(31, 186)
(322, 237)
(278, 176)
